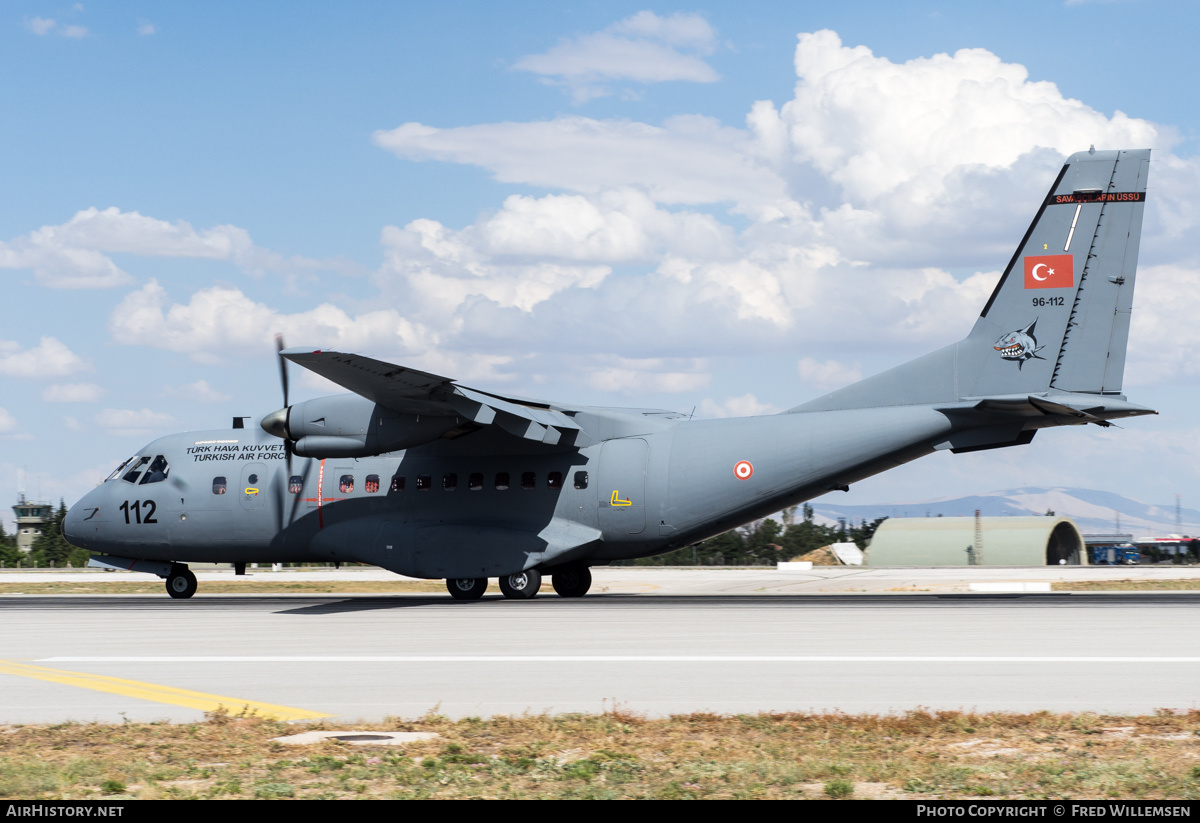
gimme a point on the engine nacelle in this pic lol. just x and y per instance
(349, 425)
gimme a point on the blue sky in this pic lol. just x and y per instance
(613, 203)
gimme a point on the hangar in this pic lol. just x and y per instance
(977, 541)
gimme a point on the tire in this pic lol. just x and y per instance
(466, 588)
(522, 585)
(181, 584)
(572, 582)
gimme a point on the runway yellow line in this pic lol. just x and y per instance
(159, 694)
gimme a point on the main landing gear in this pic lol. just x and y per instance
(522, 585)
(181, 583)
(467, 588)
(572, 581)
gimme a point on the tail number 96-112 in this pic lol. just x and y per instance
(136, 507)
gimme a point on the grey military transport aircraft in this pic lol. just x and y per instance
(428, 478)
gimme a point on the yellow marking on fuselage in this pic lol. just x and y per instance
(616, 501)
(158, 694)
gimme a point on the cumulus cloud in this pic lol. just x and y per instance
(649, 376)
(221, 320)
(1163, 338)
(829, 374)
(41, 26)
(689, 159)
(50, 358)
(7, 421)
(643, 48)
(133, 422)
(197, 392)
(445, 269)
(72, 393)
(747, 405)
(75, 254)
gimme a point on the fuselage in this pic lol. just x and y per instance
(485, 504)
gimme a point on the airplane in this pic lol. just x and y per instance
(423, 476)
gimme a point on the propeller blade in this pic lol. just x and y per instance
(287, 444)
(283, 379)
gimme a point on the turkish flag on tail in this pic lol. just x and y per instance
(1050, 271)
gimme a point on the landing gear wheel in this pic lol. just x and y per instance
(522, 585)
(181, 584)
(466, 588)
(573, 582)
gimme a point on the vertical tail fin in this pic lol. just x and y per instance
(1059, 317)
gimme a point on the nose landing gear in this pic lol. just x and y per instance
(181, 583)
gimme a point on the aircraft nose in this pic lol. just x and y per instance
(276, 423)
(71, 529)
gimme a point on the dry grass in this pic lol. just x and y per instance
(1127, 586)
(619, 755)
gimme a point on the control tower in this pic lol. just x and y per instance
(31, 519)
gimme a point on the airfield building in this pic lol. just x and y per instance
(971, 541)
(31, 520)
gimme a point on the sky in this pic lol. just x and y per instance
(685, 206)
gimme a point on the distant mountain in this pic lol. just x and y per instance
(1095, 511)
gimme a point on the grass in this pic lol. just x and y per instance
(926, 755)
(1127, 586)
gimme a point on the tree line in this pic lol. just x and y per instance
(49, 550)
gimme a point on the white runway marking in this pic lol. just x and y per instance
(624, 659)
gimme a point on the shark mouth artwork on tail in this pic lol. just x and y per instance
(1019, 345)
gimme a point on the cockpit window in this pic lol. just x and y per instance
(135, 470)
(158, 471)
(118, 469)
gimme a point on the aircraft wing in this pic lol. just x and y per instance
(411, 391)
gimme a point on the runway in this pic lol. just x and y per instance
(108, 658)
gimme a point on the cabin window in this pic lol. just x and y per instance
(371, 485)
(398, 483)
(581, 480)
(528, 480)
(219, 485)
(449, 482)
(295, 484)
(346, 484)
(475, 482)
(424, 482)
(554, 480)
(501, 481)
